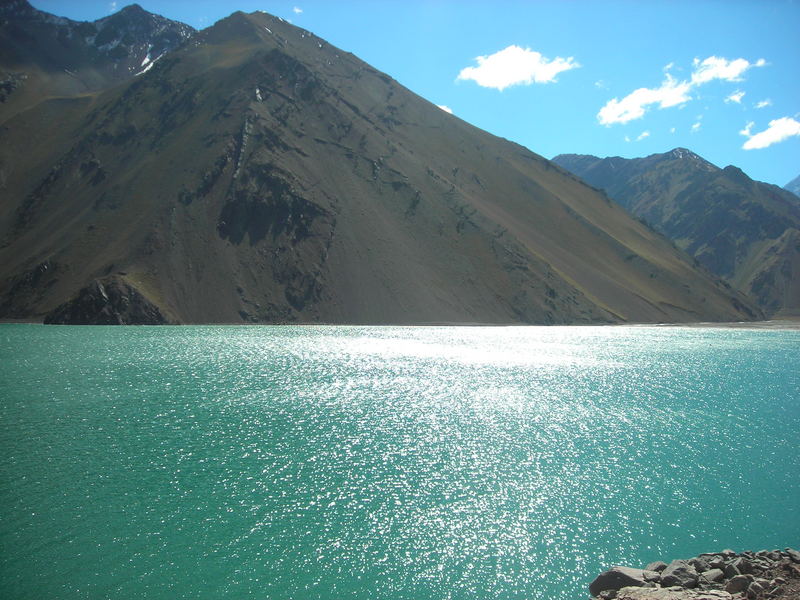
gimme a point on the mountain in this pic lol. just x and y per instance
(793, 186)
(258, 174)
(743, 230)
(44, 55)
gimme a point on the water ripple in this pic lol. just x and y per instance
(358, 462)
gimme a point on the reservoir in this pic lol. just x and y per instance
(306, 462)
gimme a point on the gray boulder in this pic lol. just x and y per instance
(730, 571)
(699, 564)
(679, 572)
(617, 578)
(656, 566)
(638, 593)
(651, 576)
(754, 590)
(793, 554)
(711, 576)
(743, 565)
(737, 584)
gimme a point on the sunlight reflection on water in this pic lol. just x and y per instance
(362, 462)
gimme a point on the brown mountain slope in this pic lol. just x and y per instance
(260, 174)
(742, 230)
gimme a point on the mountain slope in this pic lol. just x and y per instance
(742, 230)
(259, 174)
(44, 55)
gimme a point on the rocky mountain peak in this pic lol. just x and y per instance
(93, 54)
(684, 154)
(132, 9)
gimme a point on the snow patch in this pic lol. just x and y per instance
(149, 64)
(258, 95)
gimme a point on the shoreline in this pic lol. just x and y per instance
(786, 324)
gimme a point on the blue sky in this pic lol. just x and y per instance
(610, 78)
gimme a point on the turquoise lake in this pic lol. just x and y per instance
(386, 462)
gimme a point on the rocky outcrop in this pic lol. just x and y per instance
(620, 577)
(722, 575)
(107, 301)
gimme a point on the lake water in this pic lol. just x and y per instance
(386, 462)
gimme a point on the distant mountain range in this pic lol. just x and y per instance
(793, 186)
(745, 231)
(254, 173)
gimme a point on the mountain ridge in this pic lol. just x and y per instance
(739, 228)
(317, 189)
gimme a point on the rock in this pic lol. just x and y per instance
(737, 584)
(656, 566)
(679, 572)
(793, 554)
(754, 590)
(715, 562)
(699, 564)
(107, 301)
(638, 593)
(774, 556)
(728, 553)
(744, 565)
(651, 576)
(617, 578)
(711, 576)
(730, 571)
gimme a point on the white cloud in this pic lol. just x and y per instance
(296, 10)
(643, 135)
(515, 66)
(735, 97)
(696, 126)
(673, 92)
(672, 130)
(446, 109)
(764, 103)
(634, 105)
(778, 130)
(627, 139)
(112, 6)
(669, 67)
(600, 84)
(715, 67)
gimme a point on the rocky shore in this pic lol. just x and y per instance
(725, 575)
